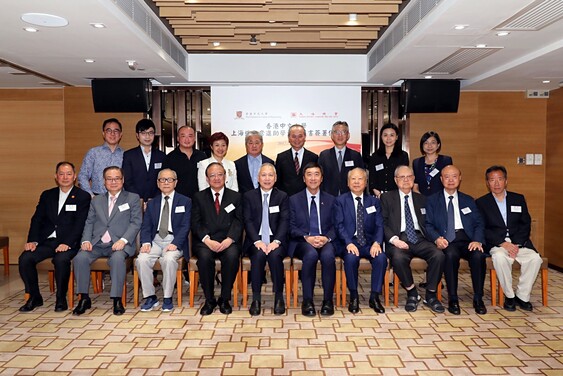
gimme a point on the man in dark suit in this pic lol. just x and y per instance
(112, 225)
(338, 161)
(142, 164)
(507, 234)
(217, 229)
(312, 233)
(454, 224)
(266, 213)
(55, 230)
(248, 165)
(404, 214)
(289, 163)
(359, 224)
(164, 237)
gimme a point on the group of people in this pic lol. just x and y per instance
(308, 207)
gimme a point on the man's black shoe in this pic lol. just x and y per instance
(509, 304)
(279, 306)
(376, 305)
(224, 306)
(255, 308)
(82, 306)
(208, 307)
(31, 304)
(526, 306)
(118, 308)
(354, 305)
(307, 308)
(61, 305)
(327, 308)
(479, 306)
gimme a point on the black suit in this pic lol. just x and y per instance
(278, 219)
(244, 179)
(137, 179)
(401, 258)
(228, 223)
(336, 182)
(68, 223)
(288, 180)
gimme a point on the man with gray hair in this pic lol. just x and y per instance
(248, 165)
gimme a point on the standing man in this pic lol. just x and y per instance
(91, 177)
(217, 228)
(55, 230)
(404, 214)
(338, 161)
(266, 213)
(113, 222)
(142, 164)
(290, 163)
(454, 224)
(359, 224)
(248, 165)
(312, 232)
(507, 234)
(184, 160)
(164, 237)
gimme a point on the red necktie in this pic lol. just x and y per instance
(217, 204)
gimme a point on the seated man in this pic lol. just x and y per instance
(55, 230)
(507, 234)
(164, 237)
(312, 231)
(266, 213)
(359, 224)
(404, 213)
(113, 222)
(216, 230)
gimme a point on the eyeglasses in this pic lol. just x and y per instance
(166, 180)
(145, 133)
(218, 175)
(110, 131)
(113, 180)
(340, 133)
(405, 177)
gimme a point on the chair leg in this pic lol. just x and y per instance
(71, 290)
(337, 287)
(493, 287)
(179, 287)
(244, 288)
(94, 279)
(544, 286)
(135, 288)
(344, 288)
(386, 287)
(288, 287)
(7, 260)
(395, 289)
(52, 281)
(124, 294)
(192, 274)
(235, 289)
(439, 291)
(295, 281)
(500, 295)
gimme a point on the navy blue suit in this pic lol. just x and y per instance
(435, 184)
(473, 230)
(299, 248)
(244, 179)
(336, 182)
(137, 179)
(345, 224)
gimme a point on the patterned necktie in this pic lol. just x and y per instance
(360, 235)
(450, 231)
(106, 238)
(163, 229)
(314, 219)
(217, 203)
(409, 223)
(265, 227)
(296, 163)
(339, 160)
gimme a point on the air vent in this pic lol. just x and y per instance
(536, 16)
(461, 59)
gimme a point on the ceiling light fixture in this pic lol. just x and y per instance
(273, 44)
(428, 77)
(89, 60)
(253, 40)
(272, 21)
(503, 33)
(97, 25)
(546, 81)
(480, 45)
(460, 27)
(352, 17)
(132, 64)
(43, 19)
(216, 44)
(30, 29)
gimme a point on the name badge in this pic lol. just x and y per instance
(70, 207)
(124, 207)
(349, 163)
(379, 167)
(274, 209)
(466, 211)
(516, 209)
(180, 209)
(157, 166)
(230, 208)
(423, 211)
(434, 172)
(371, 209)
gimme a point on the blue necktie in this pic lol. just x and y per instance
(409, 223)
(265, 227)
(313, 219)
(450, 231)
(360, 235)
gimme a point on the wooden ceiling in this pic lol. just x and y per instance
(294, 25)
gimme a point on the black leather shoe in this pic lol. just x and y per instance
(208, 307)
(354, 305)
(453, 307)
(279, 307)
(118, 308)
(526, 306)
(61, 305)
(327, 308)
(82, 306)
(255, 308)
(509, 304)
(31, 304)
(479, 306)
(376, 305)
(225, 306)
(307, 308)
(434, 304)
(412, 303)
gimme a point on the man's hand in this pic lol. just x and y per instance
(351, 248)
(511, 248)
(31, 246)
(316, 241)
(171, 247)
(87, 246)
(118, 245)
(145, 248)
(262, 246)
(225, 244)
(375, 249)
(212, 244)
(272, 246)
(400, 244)
(62, 248)
(442, 243)
(475, 246)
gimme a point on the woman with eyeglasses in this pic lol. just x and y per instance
(219, 143)
(427, 168)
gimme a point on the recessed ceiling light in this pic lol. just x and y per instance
(427, 77)
(97, 25)
(273, 44)
(546, 81)
(30, 29)
(89, 60)
(481, 45)
(503, 33)
(216, 44)
(43, 19)
(272, 21)
(352, 17)
(460, 27)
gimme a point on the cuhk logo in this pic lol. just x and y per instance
(239, 114)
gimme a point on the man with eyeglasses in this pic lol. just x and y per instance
(98, 158)
(248, 165)
(114, 219)
(142, 164)
(338, 160)
(164, 238)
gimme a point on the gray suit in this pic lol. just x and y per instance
(123, 223)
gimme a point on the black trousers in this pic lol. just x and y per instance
(258, 261)
(230, 262)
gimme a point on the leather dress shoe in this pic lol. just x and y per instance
(61, 305)
(526, 306)
(509, 304)
(453, 307)
(327, 308)
(479, 306)
(354, 305)
(307, 308)
(118, 308)
(279, 307)
(255, 308)
(376, 305)
(82, 306)
(208, 307)
(31, 304)
(224, 306)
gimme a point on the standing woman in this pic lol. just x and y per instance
(427, 168)
(385, 160)
(219, 146)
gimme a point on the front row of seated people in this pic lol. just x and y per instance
(311, 225)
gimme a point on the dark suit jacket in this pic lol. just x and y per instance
(420, 177)
(137, 179)
(244, 179)
(345, 219)
(180, 214)
(69, 223)
(437, 217)
(517, 216)
(336, 182)
(288, 181)
(391, 206)
(205, 220)
(299, 218)
(278, 219)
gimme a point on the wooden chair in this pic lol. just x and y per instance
(194, 280)
(5, 245)
(245, 267)
(366, 265)
(297, 265)
(157, 266)
(417, 264)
